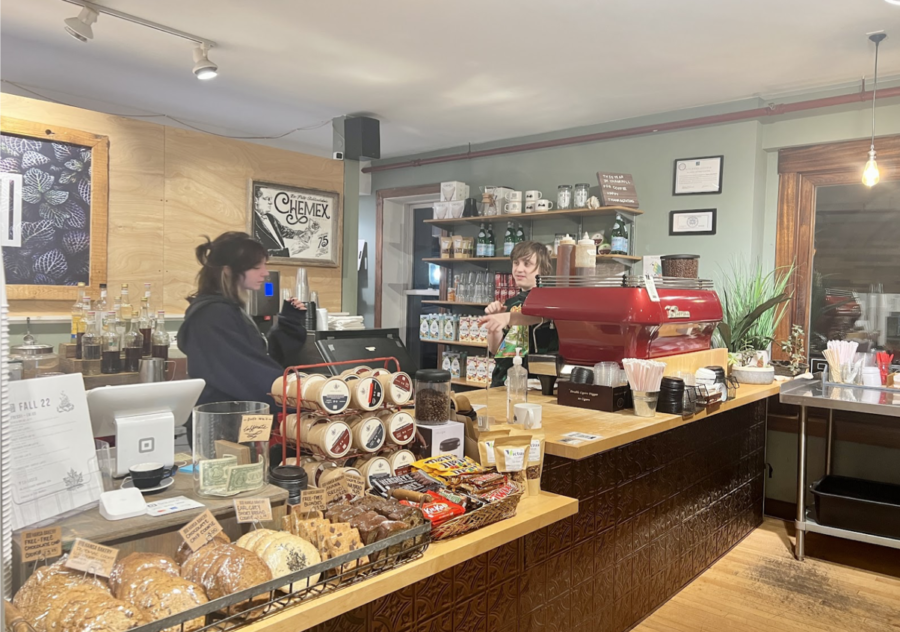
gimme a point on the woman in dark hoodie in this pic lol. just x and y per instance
(221, 342)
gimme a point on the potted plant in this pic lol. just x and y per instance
(753, 304)
(795, 348)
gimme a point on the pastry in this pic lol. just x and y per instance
(284, 553)
(160, 595)
(46, 585)
(184, 551)
(223, 569)
(132, 566)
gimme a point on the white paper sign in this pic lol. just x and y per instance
(171, 505)
(54, 464)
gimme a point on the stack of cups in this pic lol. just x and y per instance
(606, 373)
(671, 396)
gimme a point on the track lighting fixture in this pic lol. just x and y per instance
(80, 27)
(203, 67)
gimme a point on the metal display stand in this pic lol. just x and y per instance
(818, 393)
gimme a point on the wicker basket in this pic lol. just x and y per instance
(489, 514)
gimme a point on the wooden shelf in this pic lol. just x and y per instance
(454, 304)
(630, 258)
(476, 260)
(538, 215)
(457, 343)
(460, 382)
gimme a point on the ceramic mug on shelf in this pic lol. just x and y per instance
(533, 196)
(512, 208)
(543, 205)
(514, 196)
(530, 206)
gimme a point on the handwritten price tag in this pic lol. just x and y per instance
(354, 485)
(200, 530)
(253, 510)
(92, 558)
(255, 428)
(334, 489)
(312, 499)
(41, 544)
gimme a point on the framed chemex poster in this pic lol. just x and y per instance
(297, 226)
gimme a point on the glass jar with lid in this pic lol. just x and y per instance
(432, 397)
(564, 197)
(581, 195)
(231, 448)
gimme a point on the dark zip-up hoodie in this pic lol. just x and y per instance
(224, 347)
(287, 337)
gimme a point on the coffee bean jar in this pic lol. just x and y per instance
(681, 266)
(432, 397)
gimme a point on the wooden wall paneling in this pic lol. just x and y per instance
(845, 157)
(207, 180)
(380, 197)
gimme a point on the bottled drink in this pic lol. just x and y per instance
(481, 246)
(509, 239)
(102, 306)
(619, 241)
(77, 313)
(147, 292)
(90, 346)
(145, 324)
(516, 386)
(110, 353)
(125, 309)
(82, 325)
(520, 234)
(160, 337)
(134, 348)
(490, 249)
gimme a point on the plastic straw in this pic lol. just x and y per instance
(644, 375)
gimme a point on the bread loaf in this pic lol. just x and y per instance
(46, 585)
(223, 569)
(184, 551)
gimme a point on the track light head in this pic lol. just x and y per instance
(204, 69)
(80, 27)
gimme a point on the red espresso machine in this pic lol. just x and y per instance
(606, 319)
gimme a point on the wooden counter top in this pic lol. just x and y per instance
(532, 514)
(615, 429)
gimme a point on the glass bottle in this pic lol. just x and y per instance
(126, 311)
(146, 326)
(619, 241)
(509, 239)
(102, 306)
(82, 325)
(520, 234)
(516, 387)
(160, 337)
(147, 292)
(491, 249)
(110, 349)
(77, 314)
(482, 242)
(133, 346)
(90, 345)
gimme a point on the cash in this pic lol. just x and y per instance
(245, 478)
(214, 475)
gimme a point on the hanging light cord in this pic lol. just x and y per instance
(874, 92)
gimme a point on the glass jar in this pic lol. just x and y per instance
(564, 197)
(224, 466)
(432, 397)
(582, 193)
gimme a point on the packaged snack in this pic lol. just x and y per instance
(458, 252)
(464, 323)
(511, 452)
(472, 369)
(434, 327)
(446, 247)
(486, 447)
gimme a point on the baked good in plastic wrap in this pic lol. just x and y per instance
(154, 583)
(57, 599)
(223, 569)
(284, 553)
(184, 551)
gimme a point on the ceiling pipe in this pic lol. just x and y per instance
(715, 119)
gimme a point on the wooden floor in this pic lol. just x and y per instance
(758, 586)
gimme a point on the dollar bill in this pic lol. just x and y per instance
(213, 473)
(244, 478)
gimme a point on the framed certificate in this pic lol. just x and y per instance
(698, 222)
(698, 176)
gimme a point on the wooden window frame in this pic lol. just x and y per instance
(800, 171)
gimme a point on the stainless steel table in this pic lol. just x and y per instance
(815, 393)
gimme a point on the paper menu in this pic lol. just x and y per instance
(54, 464)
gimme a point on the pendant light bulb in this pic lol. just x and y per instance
(871, 176)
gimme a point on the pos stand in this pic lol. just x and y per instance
(144, 438)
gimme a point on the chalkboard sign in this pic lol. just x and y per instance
(617, 189)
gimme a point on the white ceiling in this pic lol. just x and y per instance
(441, 74)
